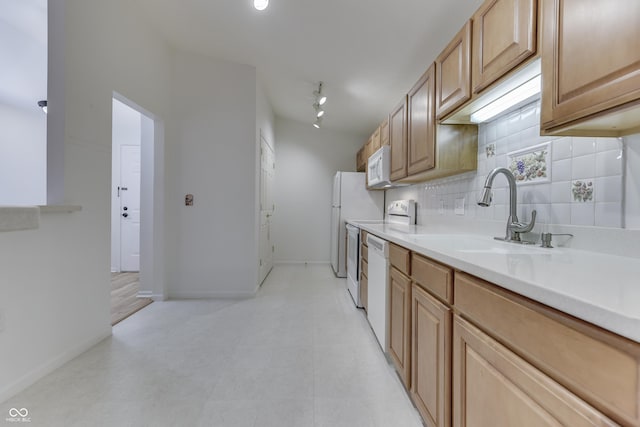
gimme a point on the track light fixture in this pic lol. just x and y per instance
(319, 110)
(318, 100)
(43, 104)
(260, 4)
(320, 97)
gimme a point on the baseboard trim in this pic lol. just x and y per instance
(285, 262)
(212, 295)
(147, 294)
(41, 371)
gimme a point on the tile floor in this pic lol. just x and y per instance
(298, 354)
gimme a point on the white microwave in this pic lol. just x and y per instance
(379, 167)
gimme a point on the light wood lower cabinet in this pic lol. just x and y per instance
(492, 387)
(597, 365)
(430, 358)
(400, 324)
(364, 271)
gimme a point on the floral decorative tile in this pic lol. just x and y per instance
(531, 165)
(490, 150)
(582, 190)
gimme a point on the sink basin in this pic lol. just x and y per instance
(473, 244)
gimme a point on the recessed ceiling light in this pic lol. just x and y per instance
(260, 4)
(317, 123)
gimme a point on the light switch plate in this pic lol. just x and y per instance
(459, 206)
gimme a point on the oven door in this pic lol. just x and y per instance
(353, 263)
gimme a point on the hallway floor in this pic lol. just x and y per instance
(298, 354)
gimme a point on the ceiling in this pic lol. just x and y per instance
(367, 53)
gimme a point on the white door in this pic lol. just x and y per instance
(267, 207)
(129, 191)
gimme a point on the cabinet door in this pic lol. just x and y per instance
(590, 58)
(421, 127)
(364, 290)
(431, 358)
(453, 73)
(375, 141)
(398, 141)
(361, 162)
(400, 323)
(384, 133)
(492, 387)
(504, 35)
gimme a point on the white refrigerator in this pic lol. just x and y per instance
(351, 201)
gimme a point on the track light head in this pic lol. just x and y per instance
(320, 97)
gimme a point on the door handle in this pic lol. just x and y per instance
(125, 214)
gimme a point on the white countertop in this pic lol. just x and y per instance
(599, 288)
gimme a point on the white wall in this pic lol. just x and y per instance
(212, 156)
(23, 163)
(306, 161)
(126, 130)
(54, 287)
(23, 82)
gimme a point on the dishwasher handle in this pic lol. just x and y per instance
(377, 245)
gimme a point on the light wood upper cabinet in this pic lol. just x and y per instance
(504, 35)
(430, 358)
(361, 161)
(384, 133)
(398, 140)
(453, 73)
(493, 387)
(421, 134)
(400, 324)
(375, 141)
(591, 66)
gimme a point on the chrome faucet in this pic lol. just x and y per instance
(514, 226)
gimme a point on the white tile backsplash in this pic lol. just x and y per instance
(583, 146)
(561, 149)
(583, 166)
(609, 163)
(599, 160)
(583, 214)
(561, 170)
(608, 215)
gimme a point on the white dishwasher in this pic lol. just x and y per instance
(378, 276)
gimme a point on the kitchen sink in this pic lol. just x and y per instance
(466, 243)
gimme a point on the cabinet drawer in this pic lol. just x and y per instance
(364, 252)
(399, 258)
(600, 367)
(363, 237)
(364, 267)
(434, 277)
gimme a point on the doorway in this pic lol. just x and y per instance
(125, 194)
(267, 206)
(137, 206)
